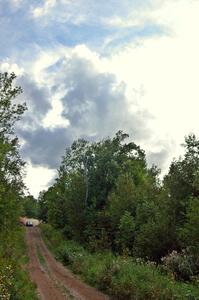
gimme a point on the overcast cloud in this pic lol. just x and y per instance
(93, 102)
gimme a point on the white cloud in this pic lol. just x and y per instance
(44, 10)
(7, 66)
(137, 17)
(168, 68)
(37, 178)
(55, 114)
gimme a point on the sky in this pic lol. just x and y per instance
(90, 68)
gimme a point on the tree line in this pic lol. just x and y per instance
(106, 197)
(11, 164)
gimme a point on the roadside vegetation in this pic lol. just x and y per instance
(122, 277)
(14, 281)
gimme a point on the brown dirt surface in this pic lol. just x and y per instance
(53, 280)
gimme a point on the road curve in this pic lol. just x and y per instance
(53, 280)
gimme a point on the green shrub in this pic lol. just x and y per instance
(70, 253)
(123, 278)
(181, 265)
(144, 281)
(51, 235)
(95, 268)
(126, 233)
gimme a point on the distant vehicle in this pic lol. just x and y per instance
(29, 223)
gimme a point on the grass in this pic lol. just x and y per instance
(40, 256)
(14, 280)
(120, 277)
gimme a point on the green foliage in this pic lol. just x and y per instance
(98, 230)
(67, 212)
(9, 112)
(120, 277)
(110, 176)
(42, 207)
(126, 233)
(29, 207)
(11, 184)
(155, 233)
(188, 233)
(14, 282)
(182, 179)
(132, 280)
(72, 254)
(106, 198)
(52, 235)
(123, 198)
(56, 208)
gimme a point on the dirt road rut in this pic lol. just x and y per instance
(53, 280)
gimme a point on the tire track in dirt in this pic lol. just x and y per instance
(46, 290)
(54, 281)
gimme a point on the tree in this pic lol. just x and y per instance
(110, 175)
(9, 112)
(126, 233)
(122, 199)
(30, 207)
(11, 164)
(182, 180)
(42, 207)
(188, 233)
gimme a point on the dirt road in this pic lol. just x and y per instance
(53, 280)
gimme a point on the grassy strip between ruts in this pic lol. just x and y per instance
(120, 277)
(40, 257)
(15, 283)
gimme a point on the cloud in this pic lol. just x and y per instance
(81, 11)
(33, 178)
(38, 25)
(37, 98)
(45, 147)
(98, 25)
(7, 66)
(93, 102)
(161, 153)
(167, 67)
(45, 9)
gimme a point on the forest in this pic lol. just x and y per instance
(107, 200)
(108, 216)
(106, 197)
